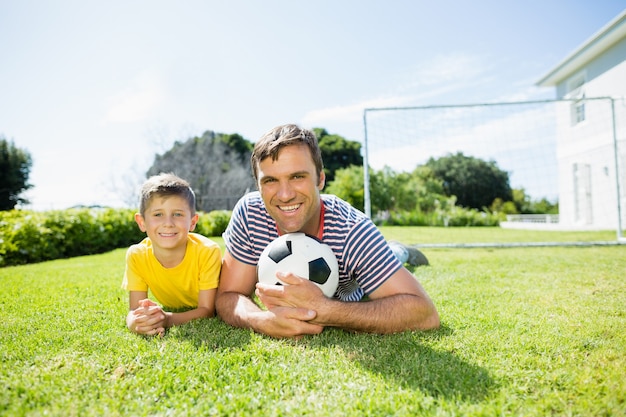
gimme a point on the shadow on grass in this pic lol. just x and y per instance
(405, 359)
(212, 334)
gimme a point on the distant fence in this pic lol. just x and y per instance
(533, 218)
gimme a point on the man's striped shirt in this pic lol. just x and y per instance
(365, 260)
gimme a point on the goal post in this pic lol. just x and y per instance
(572, 151)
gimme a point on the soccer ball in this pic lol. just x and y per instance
(303, 255)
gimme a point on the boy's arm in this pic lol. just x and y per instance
(144, 316)
(149, 318)
(206, 308)
(134, 297)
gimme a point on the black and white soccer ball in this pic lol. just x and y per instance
(303, 255)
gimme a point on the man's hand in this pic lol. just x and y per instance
(399, 304)
(291, 307)
(284, 318)
(287, 322)
(297, 293)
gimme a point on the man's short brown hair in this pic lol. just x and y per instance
(279, 137)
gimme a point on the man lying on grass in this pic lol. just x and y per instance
(288, 168)
(180, 268)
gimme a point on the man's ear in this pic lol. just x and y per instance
(139, 221)
(322, 181)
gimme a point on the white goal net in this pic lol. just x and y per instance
(568, 151)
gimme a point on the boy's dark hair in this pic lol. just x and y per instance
(164, 185)
(273, 141)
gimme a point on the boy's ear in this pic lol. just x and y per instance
(139, 221)
(194, 221)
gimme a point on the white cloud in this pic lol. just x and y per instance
(528, 93)
(452, 71)
(441, 75)
(520, 138)
(352, 112)
(137, 102)
(451, 67)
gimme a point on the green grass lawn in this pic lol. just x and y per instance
(525, 331)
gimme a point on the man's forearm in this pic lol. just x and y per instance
(234, 309)
(391, 314)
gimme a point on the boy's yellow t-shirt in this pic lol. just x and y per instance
(175, 287)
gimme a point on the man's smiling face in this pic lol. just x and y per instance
(290, 189)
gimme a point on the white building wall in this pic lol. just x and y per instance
(585, 152)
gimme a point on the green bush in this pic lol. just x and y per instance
(29, 236)
(24, 238)
(471, 217)
(213, 223)
(120, 228)
(452, 216)
(407, 218)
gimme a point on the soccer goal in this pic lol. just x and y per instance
(568, 151)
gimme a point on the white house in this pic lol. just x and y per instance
(591, 132)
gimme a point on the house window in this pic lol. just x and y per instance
(578, 111)
(576, 92)
(583, 202)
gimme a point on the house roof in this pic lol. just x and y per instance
(611, 33)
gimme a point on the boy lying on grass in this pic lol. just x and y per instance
(180, 268)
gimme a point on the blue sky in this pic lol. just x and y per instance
(94, 89)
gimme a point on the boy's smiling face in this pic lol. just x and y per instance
(167, 221)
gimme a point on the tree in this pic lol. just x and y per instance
(15, 164)
(216, 165)
(337, 152)
(474, 182)
(389, 190)
(348, 185)
(525, 205)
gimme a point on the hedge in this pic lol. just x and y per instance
(30, 236)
